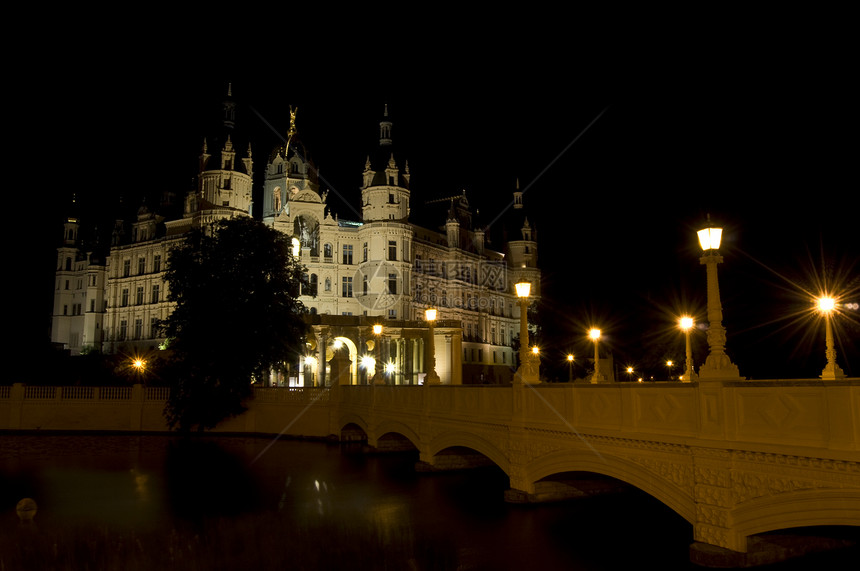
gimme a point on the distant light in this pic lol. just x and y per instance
(594, 334)
(535, 350)
(669, 363)
(523, 289)
(389, 368)
(138, 364)
(630, 370)
(368, 362)
(570, 357)
(430, 314)
(337, 344)
(709, 238)
(686, 323)
(377, 329)
(826, 304)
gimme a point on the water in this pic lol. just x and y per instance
(147, 502)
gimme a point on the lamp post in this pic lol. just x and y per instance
(831, 371)
(595, 334)
(570, 368)
(378, 379)
(432, 377)
(686, 324)
(717, 365)
(629, 374)
(527, 373)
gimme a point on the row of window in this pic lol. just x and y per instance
(77, 307)
(154, 297)
(469, 356)
(137, 332)
(347, 252)
(141, 266)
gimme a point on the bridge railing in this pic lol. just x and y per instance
(781, 413)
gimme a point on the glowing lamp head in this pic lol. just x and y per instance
(570, 358)
(430, 314)
(686, 323)
(669, 363)
(535, 350)
(138, 364)
(630, 370)
(377, 329)
(594, 334)
(709, 238)
(523, 289)
(368, 362)
(389, 368)
(826, 304)
(337, 344)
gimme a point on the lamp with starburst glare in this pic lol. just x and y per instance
(528, 371)
(686, 324)
(595, 336)
(432, 377)
(717, 365)
(826, 305)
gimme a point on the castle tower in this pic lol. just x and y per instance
(225, 178)
(385, 188)
(290, 171)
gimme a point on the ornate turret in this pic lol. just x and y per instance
(290, 175)
(385, 186)
(224, 181)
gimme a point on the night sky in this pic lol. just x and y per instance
(618, 177)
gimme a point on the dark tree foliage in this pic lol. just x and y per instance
(237, 314)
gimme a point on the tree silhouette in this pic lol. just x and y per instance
(235, 286)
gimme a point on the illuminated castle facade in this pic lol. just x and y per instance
(381, 269)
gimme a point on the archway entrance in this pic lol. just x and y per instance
(342, 356)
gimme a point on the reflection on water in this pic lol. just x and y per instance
(214, 502)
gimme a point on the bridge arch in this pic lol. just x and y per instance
(396, 427)
(476, 443)
(802, 508)
(666, 491)
(347, 421)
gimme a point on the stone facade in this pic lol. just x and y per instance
(380, 268)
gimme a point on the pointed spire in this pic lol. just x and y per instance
(385, 129)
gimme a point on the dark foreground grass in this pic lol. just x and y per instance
(259, 542)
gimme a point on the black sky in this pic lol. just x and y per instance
(618, 176)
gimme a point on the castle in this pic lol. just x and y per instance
(384, 269)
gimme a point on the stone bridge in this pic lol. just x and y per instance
(733, 458)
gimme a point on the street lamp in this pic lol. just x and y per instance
(595, 334)
(570, 368)
(717, 365)
(686, 324)
(527, 373)
(629, 373)
(432, 377)
(378, 379)
(831, 371)
(669, 365)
